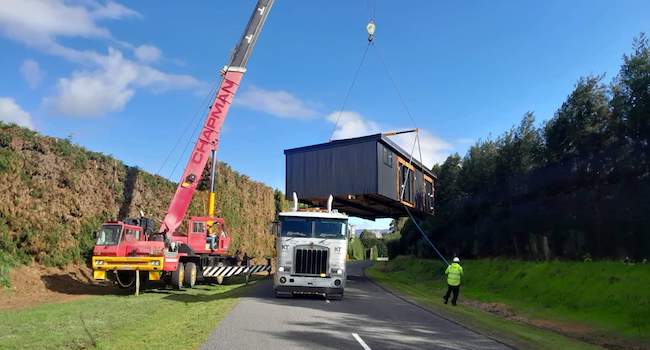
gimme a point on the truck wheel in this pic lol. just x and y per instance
(190, 275)
(178, 276)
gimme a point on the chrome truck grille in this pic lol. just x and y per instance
(311, 260)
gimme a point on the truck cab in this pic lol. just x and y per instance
(125, 246)
(311, 253)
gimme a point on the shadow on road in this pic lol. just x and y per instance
(384, 321)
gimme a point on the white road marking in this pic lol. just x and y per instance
(363, 343)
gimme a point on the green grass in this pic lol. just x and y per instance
(157, 319)
(606, 296)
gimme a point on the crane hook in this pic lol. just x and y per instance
(371, 30)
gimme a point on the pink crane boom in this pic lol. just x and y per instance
(208, 140)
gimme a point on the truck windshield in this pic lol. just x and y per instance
(312, 228)
(296, 227)
(109, 235)
(334, 229)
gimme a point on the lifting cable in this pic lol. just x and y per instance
(347, 95)
(371, 31)
(187, 127)
(210, 97)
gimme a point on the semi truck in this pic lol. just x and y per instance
(311, 248)
(125, 248)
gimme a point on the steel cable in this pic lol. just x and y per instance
(347, 95)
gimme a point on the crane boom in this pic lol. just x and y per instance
(208, 139)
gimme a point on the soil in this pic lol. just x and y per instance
(36, 284)
(572, 330)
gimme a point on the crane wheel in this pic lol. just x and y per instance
(178, 276)
(190, 275)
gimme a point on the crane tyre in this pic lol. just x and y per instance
(178, 276)
(190, 275)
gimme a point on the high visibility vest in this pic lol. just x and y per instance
(454, 272)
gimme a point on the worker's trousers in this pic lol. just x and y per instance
(452, 289)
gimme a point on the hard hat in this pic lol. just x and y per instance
(456, 259)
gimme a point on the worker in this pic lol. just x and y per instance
(211, 238)
(454, 272)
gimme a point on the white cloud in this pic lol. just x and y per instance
(352, 124)
(111, 86)
(10, 112)
(32, 73)
(147, 53)
(38, 23)
(434, 149)
(106, 82)
(112, 10)
(279, 103)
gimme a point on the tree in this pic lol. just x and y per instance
(368, 239)
(578, 185)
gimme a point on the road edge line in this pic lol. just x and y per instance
(431, 311)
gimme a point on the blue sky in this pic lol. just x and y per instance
(126, 79)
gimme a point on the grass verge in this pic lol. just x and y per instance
(157, 319)
(532, 290)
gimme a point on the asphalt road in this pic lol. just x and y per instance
(367, 318)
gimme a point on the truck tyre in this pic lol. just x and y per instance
(178, 276)
(190, 275)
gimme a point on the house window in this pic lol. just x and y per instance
(198, 227)
(428, 196)
(387, 157)
(406, 184)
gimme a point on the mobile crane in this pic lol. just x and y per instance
(130, 246)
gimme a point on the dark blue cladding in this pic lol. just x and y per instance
(365, 175)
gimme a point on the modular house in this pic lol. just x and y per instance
(369, 177)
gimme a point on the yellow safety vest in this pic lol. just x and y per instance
(454, 272)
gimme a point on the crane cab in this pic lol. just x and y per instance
(199, 228)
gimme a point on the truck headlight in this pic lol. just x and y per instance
(339, 272)
(281, 268)
(99, 262)
(155, 263)
(336, 271)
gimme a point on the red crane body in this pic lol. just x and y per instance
(181, 258)
(207, 142)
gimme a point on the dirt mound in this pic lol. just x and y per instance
(36, 284)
